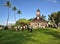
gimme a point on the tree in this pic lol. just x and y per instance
(19, 12)
(8, 5)
(58, 17)
(14, 9)
(31, 19)
(43, 16)
(22, 22)
(55, 18)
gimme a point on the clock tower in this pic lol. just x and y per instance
(38, 13)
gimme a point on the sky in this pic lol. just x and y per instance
(28, 9)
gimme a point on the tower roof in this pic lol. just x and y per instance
(38, 10)
(38, 13)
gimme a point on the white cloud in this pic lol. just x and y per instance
(11, 22)
(54, 1)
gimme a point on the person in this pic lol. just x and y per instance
(16, 28)
(25, 26)
(19, 27)
(22, 28)
(30, 28)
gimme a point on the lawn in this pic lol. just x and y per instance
(38, 36)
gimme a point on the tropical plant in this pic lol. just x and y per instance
(22, 22)
(19, 12)
(44, 17)
(31, 19)
(55, 18)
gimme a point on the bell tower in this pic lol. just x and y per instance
(38, 13)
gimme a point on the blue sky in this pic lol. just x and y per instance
(28, 9)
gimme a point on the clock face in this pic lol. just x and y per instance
(38, 12)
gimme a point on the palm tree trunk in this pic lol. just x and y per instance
(8, 16)
(54, 22)
(14, 16)
(15, 20)
(19, 16)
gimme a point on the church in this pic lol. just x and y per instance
(38, 21)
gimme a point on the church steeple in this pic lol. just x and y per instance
(38, 13)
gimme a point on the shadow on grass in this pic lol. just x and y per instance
(14, 37)
(55, 34)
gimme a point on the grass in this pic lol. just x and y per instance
(38, 36)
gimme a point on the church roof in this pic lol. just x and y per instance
(38, 20)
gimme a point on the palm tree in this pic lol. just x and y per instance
(44, 17)
(54, 22)
(19, 12)
(8, 5)
(52, 19)
(14, 9)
